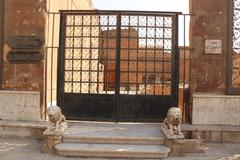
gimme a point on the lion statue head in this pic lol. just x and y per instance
(175, 115)
(54, 113)
(58, 123)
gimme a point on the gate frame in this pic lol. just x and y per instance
(118, 13)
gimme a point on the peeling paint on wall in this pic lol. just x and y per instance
(24, 18)
(208, 71)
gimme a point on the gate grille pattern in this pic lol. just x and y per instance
(236, 45)
(83, 68)
(233, 72)
(111, 53)
(145, 61)
(118, 65)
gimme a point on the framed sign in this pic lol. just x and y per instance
(213, 46)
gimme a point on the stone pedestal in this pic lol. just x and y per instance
(176, 147)
(211, 109)
(172, 141)
(20, 106)
(179, 145)
(50, 140)
(56, 128)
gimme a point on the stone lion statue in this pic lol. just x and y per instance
(173, 120)
(57, 120)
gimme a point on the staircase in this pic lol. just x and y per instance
(113, 140)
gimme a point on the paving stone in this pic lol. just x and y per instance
(31, 150)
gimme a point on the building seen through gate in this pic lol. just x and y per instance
(134, 53)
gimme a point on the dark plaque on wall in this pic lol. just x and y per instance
(24, 56)
(25, 42)
(25, 49)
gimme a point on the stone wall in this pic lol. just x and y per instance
(29, 19)
(216, 109)
(20, 105)
(210, 104)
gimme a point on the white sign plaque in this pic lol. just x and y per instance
(213, 46)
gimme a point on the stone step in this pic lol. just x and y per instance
(112, 140)
(112, 150)
(114, 133)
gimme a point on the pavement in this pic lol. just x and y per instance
(29, 149)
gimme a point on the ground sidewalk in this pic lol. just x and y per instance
(27, 149)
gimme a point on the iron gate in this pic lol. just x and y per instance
(118, 65)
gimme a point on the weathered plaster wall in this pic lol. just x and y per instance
(209, 20)
(1, 36)
(26, 18)
(23, 18)
(52, 37)
(56, 5)
(210, 104)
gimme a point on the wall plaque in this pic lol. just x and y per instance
(213, 46)
(19, 56)
(25, 42)
(25, 49)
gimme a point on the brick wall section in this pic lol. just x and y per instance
(130, 50)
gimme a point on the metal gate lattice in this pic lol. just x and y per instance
(114, 59)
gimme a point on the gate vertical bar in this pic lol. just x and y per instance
(81, 56)
(137, 81)
(72, 59)
(51, 83)
(117, 62)
(61, 60)
(184, 68)
(175, 62)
